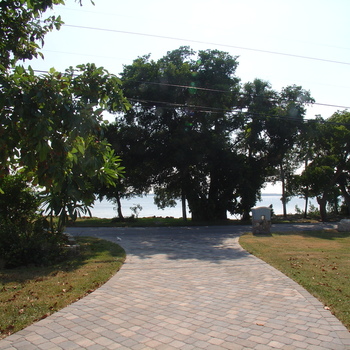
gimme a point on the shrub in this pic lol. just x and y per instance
(24, 235)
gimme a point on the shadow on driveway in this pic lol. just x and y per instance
(208, 243)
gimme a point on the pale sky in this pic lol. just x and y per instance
(318, 29)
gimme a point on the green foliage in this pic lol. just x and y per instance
(28, 244)
(18, 202)
(52, 130)
(188, 137)
(270, 129)
(23, 30)
(51, 125)
(327, 175)
(136, 209)
(177, 142)
(24, 235)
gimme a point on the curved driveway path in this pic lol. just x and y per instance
(188, 288)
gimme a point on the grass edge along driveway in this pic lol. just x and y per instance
(30, 293)
(317, 260)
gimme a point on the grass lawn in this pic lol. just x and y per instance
(317, 260)
(29, 294)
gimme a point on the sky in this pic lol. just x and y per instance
(285, 42)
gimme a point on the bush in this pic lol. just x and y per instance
(28, 245)
(24, 235)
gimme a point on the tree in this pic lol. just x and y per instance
(51, 125)
(283, 132)
(319, 178)
(258, 102)
(182, 116)
(340, 148)
(328, 172)
(23, 30)
(271, 127)
(53, 133)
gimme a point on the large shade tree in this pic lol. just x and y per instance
(183, 116)
(201, 135)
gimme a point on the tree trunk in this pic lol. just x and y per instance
(322, 202)
(306, 206)
(284, 199)
(119, 206)
(307, 192)
(201, 210)
(183, 200)
(219, 213)
(344, 193)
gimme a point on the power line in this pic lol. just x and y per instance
(329, 105)
(222, 91)
(237, 112)
(183, 86)
(208, 43)
(214, 110)
(209, 90)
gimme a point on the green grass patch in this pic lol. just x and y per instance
(29, 294)
(317, 260)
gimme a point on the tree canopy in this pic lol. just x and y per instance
(200, 134)
(51, 124)
(194, 132)
(327, 174)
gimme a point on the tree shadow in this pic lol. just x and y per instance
(206, 243)
(89, 250)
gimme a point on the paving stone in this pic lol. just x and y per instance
(188, 288)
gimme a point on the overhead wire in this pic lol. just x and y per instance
(208, 43)
(209, 90)
(214, 110)
(225, 91)
(237, 112)
(216, 44)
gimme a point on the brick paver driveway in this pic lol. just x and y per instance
(188, 288)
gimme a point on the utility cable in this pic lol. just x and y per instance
(208, 43)
(211, 90)
(237, 112)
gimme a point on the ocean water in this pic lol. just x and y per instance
(105, 209)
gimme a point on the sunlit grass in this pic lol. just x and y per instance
(317, 260)
(31, 293)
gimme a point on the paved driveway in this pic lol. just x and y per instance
(188, 288)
